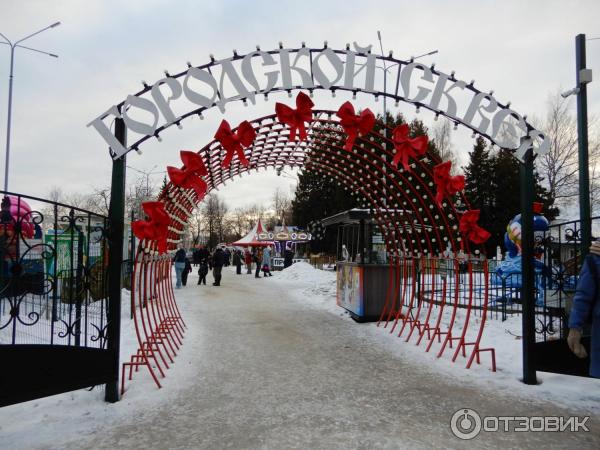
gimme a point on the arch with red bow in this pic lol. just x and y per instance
(416, 202)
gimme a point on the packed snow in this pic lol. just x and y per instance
(317, 289)
(47, 422)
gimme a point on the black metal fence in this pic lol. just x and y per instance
(53, 292)
(463, 279)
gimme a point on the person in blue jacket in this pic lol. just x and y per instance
(586, 308)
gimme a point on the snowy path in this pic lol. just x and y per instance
(261, 369)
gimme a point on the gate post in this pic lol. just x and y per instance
(582, 132)
(527, 269)
(116, 216)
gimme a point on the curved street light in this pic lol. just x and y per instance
(13, 46)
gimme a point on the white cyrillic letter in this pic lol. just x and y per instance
(204, 77)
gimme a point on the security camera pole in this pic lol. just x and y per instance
(584, 76)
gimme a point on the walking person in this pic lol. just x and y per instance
(179, 263)
(227, 255)
(266, 262)
(257, 260)
(218, 260)
(196, 256)
(248, 261)
(237, 261)
(203, 271)
(288, 257)
(186, 271)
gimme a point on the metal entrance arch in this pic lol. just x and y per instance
(416, 229)
(301, 69)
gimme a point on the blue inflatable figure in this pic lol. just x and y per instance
(508, 272)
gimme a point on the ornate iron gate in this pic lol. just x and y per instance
(555, 285)
(53, 299)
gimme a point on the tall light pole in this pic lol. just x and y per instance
(584, 77)
(13, 46)
(147, 174)
(385, 69)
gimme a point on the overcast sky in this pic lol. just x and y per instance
(522, 50)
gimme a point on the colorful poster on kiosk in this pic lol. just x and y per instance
(350, 289)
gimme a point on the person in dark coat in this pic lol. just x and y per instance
(196, 257)
(203, 271)
(186, 271)
(227, 255)
(288, 257)
(586, 309)
(257, 257)
(179, 263)
(248, 261)
(237, 261)
(203, 253)
(218, 260)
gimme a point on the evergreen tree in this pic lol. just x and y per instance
(317, 196)
(492, 185)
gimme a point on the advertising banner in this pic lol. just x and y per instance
(350, 289)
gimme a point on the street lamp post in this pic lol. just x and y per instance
(13, 46)
(583, 77)
(147, 174)
(385, 69)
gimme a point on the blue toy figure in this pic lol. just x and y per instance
(510, 269)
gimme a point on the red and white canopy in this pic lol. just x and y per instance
(251, 239)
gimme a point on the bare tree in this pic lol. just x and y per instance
(559, 166)
(99, 200)
(213, 211)
(442, 134)
(594, 158)
(281, 205)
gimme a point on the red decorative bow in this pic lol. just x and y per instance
(407, 147)
(446, 184)
(355, 125)
(189, 176)
(154, 229)
(295, 118)
(468, 226)
(233, 142)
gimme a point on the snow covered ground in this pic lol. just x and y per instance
(242, 380)
(317, 289)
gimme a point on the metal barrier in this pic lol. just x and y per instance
(53, 298)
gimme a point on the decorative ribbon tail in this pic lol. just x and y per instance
(242, 157)
(228, 157)
(161, 245)
(350, 141)
(439, 197)
(302, 131)
(293, 133)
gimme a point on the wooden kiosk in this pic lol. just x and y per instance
(361, 264)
